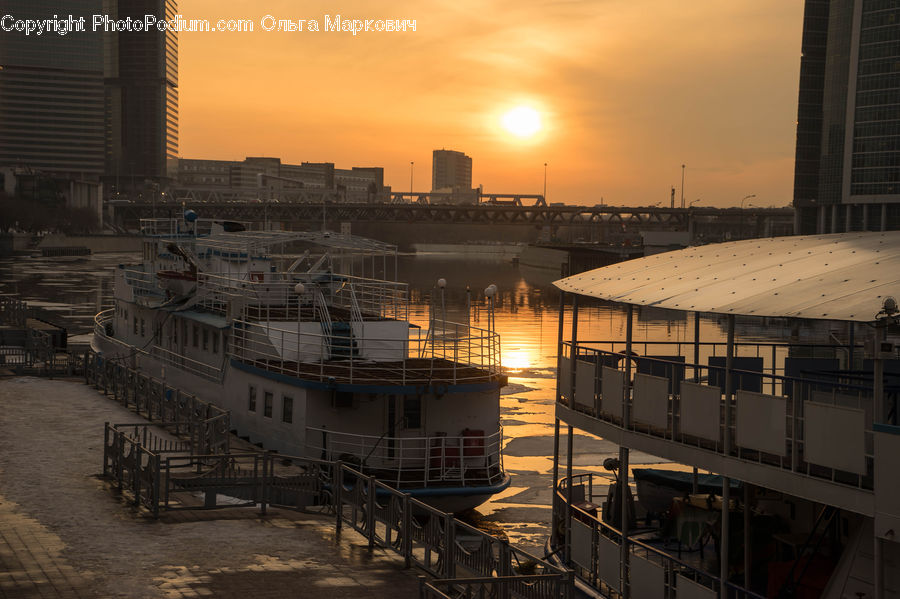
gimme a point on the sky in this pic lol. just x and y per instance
(626, 91)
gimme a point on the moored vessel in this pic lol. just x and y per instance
(307, 341)
(809, 430)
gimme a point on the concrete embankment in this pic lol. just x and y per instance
(65, 533)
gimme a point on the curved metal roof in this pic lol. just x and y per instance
(831, 277)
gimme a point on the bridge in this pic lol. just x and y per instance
(495, 221)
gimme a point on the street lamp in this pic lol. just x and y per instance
(682, 185)
(693, 202)
(545, 181)
(411, 163)
(741, 222)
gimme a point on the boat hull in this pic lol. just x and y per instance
(447, 498)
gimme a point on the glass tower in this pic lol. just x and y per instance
(847, 170)
(51, 93)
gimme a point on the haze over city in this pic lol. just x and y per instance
(623, 93)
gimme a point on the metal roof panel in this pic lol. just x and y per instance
(832, 277)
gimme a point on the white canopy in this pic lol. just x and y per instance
(832, 277)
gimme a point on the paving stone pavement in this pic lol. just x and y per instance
(65, 533)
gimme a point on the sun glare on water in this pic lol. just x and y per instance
(522, 121)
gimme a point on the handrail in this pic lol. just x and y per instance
(463, 354)
(787, 393)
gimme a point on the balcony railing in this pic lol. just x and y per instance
(784, 412)
(469, 459)
(457, 354)
(273, 295)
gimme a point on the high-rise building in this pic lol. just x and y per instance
(451, 170)
(847, 171)
(51, 94)
(141, 69)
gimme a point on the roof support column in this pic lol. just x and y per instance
(626, 399)
(568, 543)
(694, 483)
(729, 386)
(726, 529)
(559, 347)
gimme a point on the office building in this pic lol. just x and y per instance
(847, 171)
(450, 171)
(51, 95)
(270, 179)
(141, 70)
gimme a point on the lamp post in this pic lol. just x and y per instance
(741, 224)
(545, 181)
(682, 185)
(693, 202)
(411, 163)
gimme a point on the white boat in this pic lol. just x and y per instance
(310, 359)
(809, 430)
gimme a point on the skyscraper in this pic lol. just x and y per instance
(451, 170)
(847, 170)
(51, 94)
(141, 71)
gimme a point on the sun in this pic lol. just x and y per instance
(522, 121)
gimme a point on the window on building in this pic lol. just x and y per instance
(287, 409)
(267, 405)
(412, 412)
(251, 399)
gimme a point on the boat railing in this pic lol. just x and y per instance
(404, 355)
(785, 421)
(178, 227)
(593, 548)
(471, 458)
(274, 295)
(142, 283)
(103, 323)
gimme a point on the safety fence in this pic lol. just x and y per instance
(160, 472)
(783, 405)
(205, 425)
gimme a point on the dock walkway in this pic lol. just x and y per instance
(63, 533)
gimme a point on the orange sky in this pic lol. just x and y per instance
(628, 90)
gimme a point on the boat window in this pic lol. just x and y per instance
(135, 325)
(287, 408)
(412, 412)
(267, 405)
(205, 339)
(215, 340)
(143, 329)
(251, 403)
(175, 333)
(195, 334)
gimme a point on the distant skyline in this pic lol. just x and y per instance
(626, 90)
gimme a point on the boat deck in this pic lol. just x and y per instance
(416, 372)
